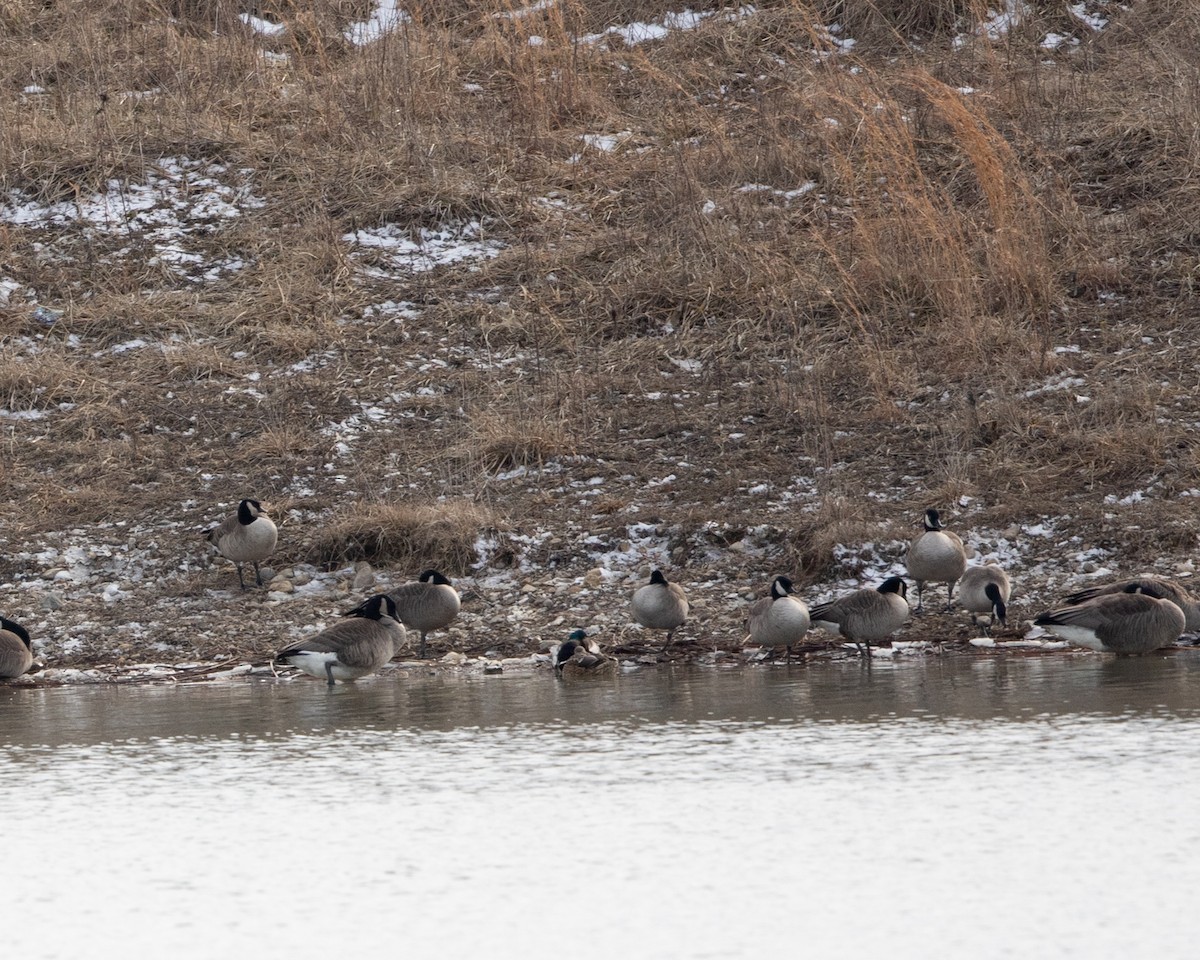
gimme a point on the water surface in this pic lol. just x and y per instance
(985, 807)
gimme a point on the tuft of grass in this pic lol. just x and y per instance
(408, 536)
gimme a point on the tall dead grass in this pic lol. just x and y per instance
(847, 256)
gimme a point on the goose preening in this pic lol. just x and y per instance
(779, 620)
(985, 589)
(249, 536)
(660, 605)
(936, 555)
(1122, 623)
(1159, 587)
(16, 653)
(428, 604)
(867, 614)
(351, 648)
(580, 658)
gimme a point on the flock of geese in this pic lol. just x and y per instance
(1127, 617)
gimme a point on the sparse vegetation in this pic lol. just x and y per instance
(937, 266)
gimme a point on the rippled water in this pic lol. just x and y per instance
(984, 808)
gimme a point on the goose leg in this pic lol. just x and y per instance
(858, 646)
(329, 672)
(257, 574)
(240, 579)
(920, 594)
(421, 649)
(950, 595)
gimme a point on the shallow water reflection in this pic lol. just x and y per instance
(996, 806)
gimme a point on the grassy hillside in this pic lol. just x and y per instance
(543, 299)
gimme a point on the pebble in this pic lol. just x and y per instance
(594, 577)
(280, 585)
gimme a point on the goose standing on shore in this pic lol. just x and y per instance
(660, 605)
(865, 615)
(351, 648)
(985, 589)
(580, 658)
(16, 652)
(429, 604)
(779, 620)
(249, 536)
(936, 555)
(1126, 624)
(1159, 587)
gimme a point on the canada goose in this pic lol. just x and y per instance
(1159, 587)
(16, 654)
(780, 619)
(247, 537)
(1120, 623)
(660, 605)
(985, 589)
(867, 614)
(350, 648)
(937, 554)
(580, 658)
(429, 604)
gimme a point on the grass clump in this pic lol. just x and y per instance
(411, 537)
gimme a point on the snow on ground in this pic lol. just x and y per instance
(424, 248)
(687, 19)
(264, 28)
(385, 18)
(175, 210)
(524, 12)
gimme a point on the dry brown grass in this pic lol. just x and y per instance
(651, 301)
(404, 535)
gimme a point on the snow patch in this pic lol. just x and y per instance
(180, 201)
(385, 18)
(425, 248)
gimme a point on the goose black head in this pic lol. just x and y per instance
(656, 577)
(249, 511)
(781, 587)
(933, 520)
(375, 608)
(992, 592)
(13, 627)
(894, 585)
(432, 576)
